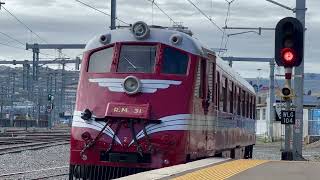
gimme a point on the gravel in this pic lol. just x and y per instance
(58, 156)
(271, 151)
(51, 157)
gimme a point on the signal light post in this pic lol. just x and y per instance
(289, 38)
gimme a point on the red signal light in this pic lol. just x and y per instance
(288, 56)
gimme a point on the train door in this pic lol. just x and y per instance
(198, 131)
(211, 70)
(205, 101)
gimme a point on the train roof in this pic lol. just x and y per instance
(164, 36)
(234, 74)
(161, 35)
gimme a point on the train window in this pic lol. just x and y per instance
(174, 62)
(254, 107)
(217, 93)
(248, 105)
(221, 93)
(213, 91)
(200, 84)
(231, 97)
(210, 81)
(235, 97)
(224, 94)
(198, 80)
(135, 58)
(100, 61)
(203, 78)
(239, 101)
(243, 96)
(212, 77)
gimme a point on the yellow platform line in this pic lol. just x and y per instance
(222, 171)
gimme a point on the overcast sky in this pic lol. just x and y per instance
(67, 21)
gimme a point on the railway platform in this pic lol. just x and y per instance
(219, 169)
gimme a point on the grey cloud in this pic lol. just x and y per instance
(61, 21)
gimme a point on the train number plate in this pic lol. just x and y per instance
(140, 111)
(288, 117)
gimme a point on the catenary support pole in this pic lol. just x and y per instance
(271, 101)
(113, 14)
(298, 87)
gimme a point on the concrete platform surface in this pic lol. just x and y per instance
(220, 169)
(281, 170)
(173, 171)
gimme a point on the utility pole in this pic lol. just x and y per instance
(51, 114)
(62, 95)
(113, 14)
(1, 3)
(298, 86)
(271, 100)
(39, 105)
(35, 62)
(12, 99)
(2, 101)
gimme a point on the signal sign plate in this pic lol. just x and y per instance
(288, 117)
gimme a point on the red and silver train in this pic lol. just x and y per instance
(150, 97)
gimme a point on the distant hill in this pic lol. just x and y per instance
(311, 83)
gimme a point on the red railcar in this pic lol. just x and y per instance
(151, 97)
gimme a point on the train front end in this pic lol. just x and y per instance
(132, 108)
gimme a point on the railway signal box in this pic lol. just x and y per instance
(289, 42)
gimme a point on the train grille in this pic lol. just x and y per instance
(91, 172)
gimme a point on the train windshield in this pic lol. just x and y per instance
(137, 58)
(100, 61)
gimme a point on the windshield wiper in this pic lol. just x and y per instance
(135, 68)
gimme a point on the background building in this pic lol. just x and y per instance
(311, 111)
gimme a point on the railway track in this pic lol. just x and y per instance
(32, 146)
(46, 173)
(18, 140)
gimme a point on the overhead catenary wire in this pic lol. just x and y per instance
(205, 15)
(23, 49)
(12, 38)
(166, 14)
(225, 24)
(16, 18)
(85, 4)
(8, 45)
(27, 27)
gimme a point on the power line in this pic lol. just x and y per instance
(101, 11)
(153, 2)
(8, 45)
(10, 37)
(15, 17)
(205, 15)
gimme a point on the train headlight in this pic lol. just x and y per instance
(86, 136)
(140, 30)
(131, 85)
